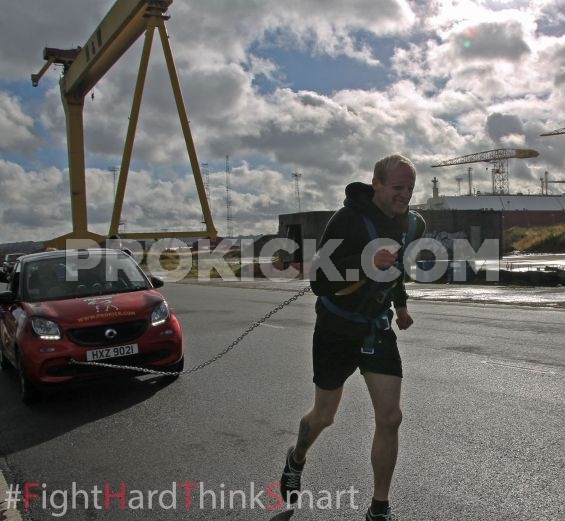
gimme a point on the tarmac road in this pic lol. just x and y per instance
(482, 435)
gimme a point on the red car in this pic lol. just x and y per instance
(93, 305)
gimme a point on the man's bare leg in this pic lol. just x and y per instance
(311, 425)
(316, 420)
(385, 395)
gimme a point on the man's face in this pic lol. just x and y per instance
(393, 196)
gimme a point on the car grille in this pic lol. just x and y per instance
(96, 336)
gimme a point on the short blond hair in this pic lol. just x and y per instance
(382, 166)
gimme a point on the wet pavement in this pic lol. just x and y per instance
(527, 296)
(553, 297)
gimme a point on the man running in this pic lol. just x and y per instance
(353, 324)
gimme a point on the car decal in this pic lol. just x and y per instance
(109, 314)
(104, 308)
(101, 304)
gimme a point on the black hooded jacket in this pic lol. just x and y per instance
(348, 225)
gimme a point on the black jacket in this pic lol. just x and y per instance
(348, 224)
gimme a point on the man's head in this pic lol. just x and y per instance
(393, 182)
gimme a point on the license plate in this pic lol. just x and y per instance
(95, 355)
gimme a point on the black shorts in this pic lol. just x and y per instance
(337, 352)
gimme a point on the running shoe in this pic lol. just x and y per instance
(389, 516)
(290, 480)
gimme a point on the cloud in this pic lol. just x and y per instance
(501, 125)
(327, 26)
(491, 41)
(446, 79)
(16, 127)
(31, 205)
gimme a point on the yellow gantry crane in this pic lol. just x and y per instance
(83, 67)
(499, 159)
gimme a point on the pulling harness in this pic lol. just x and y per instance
(374, 291)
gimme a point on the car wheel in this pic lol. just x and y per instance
(175, 368)
(28, 391)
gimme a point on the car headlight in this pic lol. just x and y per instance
(45, 329)
(160, 314)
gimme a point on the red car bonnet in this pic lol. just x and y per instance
(89, 310)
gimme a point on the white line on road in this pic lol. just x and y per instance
(271, 325)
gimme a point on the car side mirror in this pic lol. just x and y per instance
(157, 282)
(7, 297)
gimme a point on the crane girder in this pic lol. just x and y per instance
(124, 23)
(554, 132)
(490, 155)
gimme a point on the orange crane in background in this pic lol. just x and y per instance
(83, 67)
(499, 159)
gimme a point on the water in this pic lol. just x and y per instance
(535, 296)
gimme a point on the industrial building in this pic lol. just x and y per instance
(516, 210)
(475, 218)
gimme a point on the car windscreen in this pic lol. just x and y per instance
(80, 274)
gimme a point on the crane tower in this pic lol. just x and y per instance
(206, 173)
(229, 217)
(499, 159)
(296, 176)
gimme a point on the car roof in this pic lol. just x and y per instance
(57, 254)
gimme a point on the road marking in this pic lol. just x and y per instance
(532, 369)
(271, 325)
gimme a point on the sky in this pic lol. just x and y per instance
(319, 88)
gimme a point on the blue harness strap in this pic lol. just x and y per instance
(409, 238)
(372, 291)
(381, 322)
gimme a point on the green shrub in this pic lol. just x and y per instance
(536, 239)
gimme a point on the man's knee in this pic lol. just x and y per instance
(389, 420)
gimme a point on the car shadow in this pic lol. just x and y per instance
(64, 409)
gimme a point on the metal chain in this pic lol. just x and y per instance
(215, 358)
